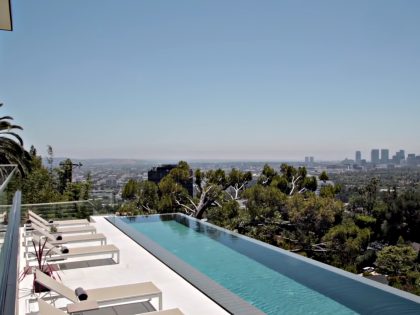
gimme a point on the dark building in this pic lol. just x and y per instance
(157, 173)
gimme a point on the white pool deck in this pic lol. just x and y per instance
(136, 265)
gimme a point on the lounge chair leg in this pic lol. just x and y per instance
(160, 302)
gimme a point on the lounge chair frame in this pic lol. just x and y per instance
(104, 296)
(74, 252)
(33, 215)
(66, 239)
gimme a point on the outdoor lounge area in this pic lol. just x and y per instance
(89, 267)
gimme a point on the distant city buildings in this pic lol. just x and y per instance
(381, 159)
(398, 157)
(374, 156)
(309, 160)
(384, 156)
(358, 157)
(111, 181)
(411, 160)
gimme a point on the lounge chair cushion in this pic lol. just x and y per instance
(81, 294)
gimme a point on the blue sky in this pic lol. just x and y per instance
(257, 80)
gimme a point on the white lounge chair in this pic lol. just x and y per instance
(57, 222)
(48, 309)
(59, 239)
(65, 230)
(55, 253)
(104, 296)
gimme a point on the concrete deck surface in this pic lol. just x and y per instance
(136, 265)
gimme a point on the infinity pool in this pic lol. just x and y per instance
(273, 280)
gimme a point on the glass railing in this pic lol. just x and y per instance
(67, 210)
(6, 174)
(10, 217)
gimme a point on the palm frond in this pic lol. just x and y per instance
(13, 134)
(6, 117)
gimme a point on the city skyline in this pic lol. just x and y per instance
(215, 80)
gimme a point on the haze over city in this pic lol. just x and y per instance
(244, 80)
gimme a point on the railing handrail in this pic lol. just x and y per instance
(51, 203)
(9, 260)
(9, 177)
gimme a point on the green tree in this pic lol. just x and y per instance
(130, 190)
(396, 260)
(291, 180)
(148, 196)
(310, 183)
(238, 181)
(267, 175)
(367, 198)
(329, 191)
(263, 202)
(39, 187)
(345, 243)
(210, 187)
(294, 177)
(312, 216)
(87, 187)
(323, 176)
(78, 191)
(225, 216)
(65, 175)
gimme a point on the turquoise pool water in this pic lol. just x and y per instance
(268, 290)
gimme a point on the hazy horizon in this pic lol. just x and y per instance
(238, 80)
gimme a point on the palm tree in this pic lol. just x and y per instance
(11, 146)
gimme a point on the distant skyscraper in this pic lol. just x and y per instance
(311, 160)
(398, 157)
(358, 157)
(374, 156)
(385, 156)
(306, 159)
(411, 160)
(402, 154)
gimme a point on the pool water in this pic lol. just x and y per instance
(263, 287)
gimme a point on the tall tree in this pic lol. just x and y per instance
(209, 186)
(396, 260)
(290, 181)
(345, 243)
(130, 190)
(148, 197)
(323, 176)
(39, 185)
(237, 181)
(65, 174)
(267, 175)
